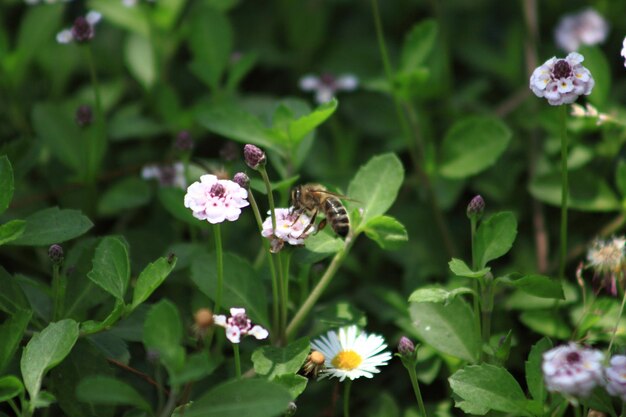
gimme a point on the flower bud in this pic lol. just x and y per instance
(84, 115)
(82, 31)
(183, 142)
(55, 253)
(242, 180)
(254, 156)
(476, 207)
(203, 318)
(406, 346)
(291, 409)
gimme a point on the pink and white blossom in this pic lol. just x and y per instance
(238, 325)
(572, 370)
(562, 81)
(172, 175)
(326, 85)
(83, 29)
(623, 51)
(215, 200)
(587, 27)
(616, 377)
(290, 226)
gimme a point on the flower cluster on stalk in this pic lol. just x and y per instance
(587, 27)
(216, 200)
(238, 325)
(82, 31)
(562, 81)
(327, 85)
(290, 227)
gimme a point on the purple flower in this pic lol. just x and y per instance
(216, 200)
(327, 85)
(562, 81)
(55, 253)
(616, 377)
(586, 27)
(254, 156)
(623, 51)
(406, 346)
(572, 370)
(239, 325)
(83, 29)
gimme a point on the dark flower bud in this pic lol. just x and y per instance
(476, 207)
(406, 346)
(254, 156)
(84, 115)
(55, 253)
(183, 142)
(242, 179)
(82, 30)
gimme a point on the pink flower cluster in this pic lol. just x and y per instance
(215, 200)
(239, 325)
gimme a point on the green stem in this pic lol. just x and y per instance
(486, 307)
(237, 360)
(285, 259)
(220, 267)
(564, 193)
(317, 292)
(619, 316)
(416, 390)
(282, 323)
(270, 195)
(58, 287)
(94, 146)
(266, 246)
(623, 412)
(577, 410)
(14, 407)
(475, 283)
(346, 397)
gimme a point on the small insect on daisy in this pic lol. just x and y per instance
(351, 353)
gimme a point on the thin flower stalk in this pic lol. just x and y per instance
(619, 316)
(94, 148)
(219, 255)
(564, 193)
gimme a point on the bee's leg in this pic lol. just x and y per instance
(311, 223)
(321, 226)
(298, 213)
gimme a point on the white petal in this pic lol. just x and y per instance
(65, 36)
(309, 83)
(93, 17)
(259, 332)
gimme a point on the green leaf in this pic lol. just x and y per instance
(295, 384)
(488, 387)
(437, 295)
(140, 60)
(418, 44)
(243, 397)
(242, 288)
(85, 360)
(546, 323)
(376, 185)
(620, 178)
(460, 269)
(237, 124)
(111, 267)
(106, 390)
(132, 19)
(52, 225)
(495, 237)
(197, 366)
(304, 125)
(6, 183)
(127, 194)
(11, 231)
(275, 361)
(537, 285)
(44, 351)
(473, 145)
(388, 232)
(587, 191)
(598, 65)
(534, 374)
(151, 278)
(163, 332)
(210, 41)
(11, 332)
(448, 328)
(10, 387)
(12, 298)
(323, 243)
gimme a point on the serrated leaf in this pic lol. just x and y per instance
(163, 332)
(243, 397)
(448, 328)
(106, 390)
(11, 332)
(437, 295)
(534, 374)
(537, 285)
(52, 225)
(151, 278)
(6, 183)
(242, 288)
(376, 185)
(111, 267)
(388, 232)
(11, 231)
(473, 145)
(44, 351)
(489, 387)
(460, 269)
(495, 237)
(276, 361)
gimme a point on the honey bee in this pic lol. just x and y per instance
(314, 197)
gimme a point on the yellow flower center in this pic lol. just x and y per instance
(347, 360)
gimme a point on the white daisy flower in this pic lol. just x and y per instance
(351, 353)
